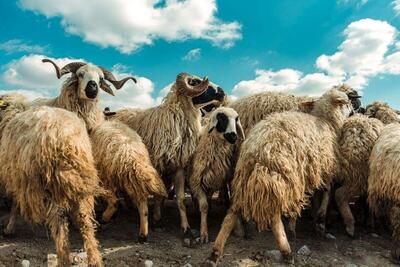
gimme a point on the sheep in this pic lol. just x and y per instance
(383, 181)
(121, 157)
(254, 108)
(213, 159)
(170, 132)
(283, 160)
(48, 170)
(129, 169)
(383, 112)
(356, 139)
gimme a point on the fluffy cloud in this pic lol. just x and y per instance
(128, 25)
(365, 53)
(396, 6)
(193, 55)
(17, 46)
(28, 75)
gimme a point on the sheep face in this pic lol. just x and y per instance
(89, 79)
(226, 122)
(213, 92)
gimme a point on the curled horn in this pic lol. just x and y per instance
(184, 86)
(71, 67)
(111, 78)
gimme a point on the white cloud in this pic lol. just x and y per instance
(127, 25)
(29, 76)
(365, 53)
(193, 55)
(17, 46)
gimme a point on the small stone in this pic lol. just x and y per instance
(247, 263)
(330, 236)
(351, 265)
(25, 263)
(187, 265)
(304, 250)
(148, 263)
(274, 255)
(374, 235)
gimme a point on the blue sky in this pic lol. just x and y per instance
(300, 47)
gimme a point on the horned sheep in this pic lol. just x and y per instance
(171, 131)
(121, 157)
(284, 159)
(213, 161)
(383, 112)
(49, 172)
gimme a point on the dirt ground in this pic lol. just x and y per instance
(119, 244)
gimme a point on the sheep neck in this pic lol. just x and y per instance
(87, 110)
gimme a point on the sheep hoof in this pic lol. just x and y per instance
(189, 240)
(212, 260)
(350, 231)
(288, 258)
(204, 238)
(395, 253)
(142, 238)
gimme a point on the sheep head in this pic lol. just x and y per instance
(227, 123)
(201, 91)
(380, 110)
(89, 78)
(352, 95)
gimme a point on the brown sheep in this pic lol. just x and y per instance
(283, 160)
(48, 170)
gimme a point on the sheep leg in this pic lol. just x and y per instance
(112, 207)
(144, 222)
(292, 228)
(278, 231)
(83, 216)
(179, 187)
(203, 207)
(58, 224)
(394, 217)
(239, 228)
(10, 228)
(342, 201)
(321, 213)
(228, 224)
(157, 211)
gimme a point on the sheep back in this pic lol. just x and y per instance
(47, 160)
(124, 162)
(283, 160)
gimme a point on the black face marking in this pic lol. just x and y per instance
(209, 95)
(222, 123)
(355, 102)
(208, 108)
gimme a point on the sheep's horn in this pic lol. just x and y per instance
(71, 67)
(111, 78)
(183, 84)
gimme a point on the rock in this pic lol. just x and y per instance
(374, 235)
(247, 263)
(304, 250)
(25, 263)
(330, 236)
(351, 265)
(274, 255)
(187, 265)
(51, 260)
(148, 263)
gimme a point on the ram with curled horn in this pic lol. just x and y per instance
(171, 132)
(121, 157)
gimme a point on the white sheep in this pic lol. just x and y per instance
(283, 160)
(171, 131)
(133, 172)
(213, 161)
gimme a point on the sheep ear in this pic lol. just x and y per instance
(240, 130)
(308, 104)
(339, 100)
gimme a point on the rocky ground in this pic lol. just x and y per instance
(164, 248)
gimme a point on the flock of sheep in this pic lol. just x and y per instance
(269, 155)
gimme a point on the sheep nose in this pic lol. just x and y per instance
(91, 89)
(230, 137)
